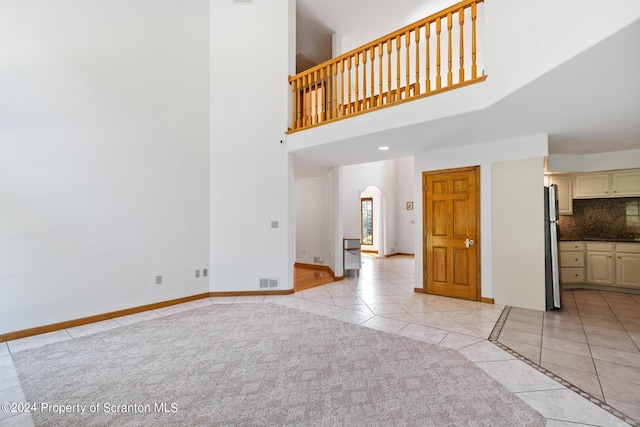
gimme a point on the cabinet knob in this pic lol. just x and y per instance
(576, 259)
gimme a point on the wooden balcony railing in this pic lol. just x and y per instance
(435, 54)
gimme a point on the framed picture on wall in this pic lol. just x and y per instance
(409, 206)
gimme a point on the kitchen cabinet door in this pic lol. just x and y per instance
(591, 185)
(628, 270)
(565, 193)
(626, 184)
(600, 268)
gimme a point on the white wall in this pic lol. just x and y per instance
(544, 34)
(405, 193)
(103, 156)
(518, 259)
(314, 219)
(250, 169)
(483, 155)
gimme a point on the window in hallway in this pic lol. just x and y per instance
(366, 220)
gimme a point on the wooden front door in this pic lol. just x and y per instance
(451, 230)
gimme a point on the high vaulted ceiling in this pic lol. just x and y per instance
(584, 105)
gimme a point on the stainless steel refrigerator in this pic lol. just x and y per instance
(552, 257)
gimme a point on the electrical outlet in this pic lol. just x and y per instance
(275, 224)
(197, 273)
(158, 280)
(205, 272)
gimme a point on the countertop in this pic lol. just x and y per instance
(598, 239)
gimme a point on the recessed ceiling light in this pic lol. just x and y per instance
(383, 148)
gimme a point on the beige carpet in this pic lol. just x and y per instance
(260, 365)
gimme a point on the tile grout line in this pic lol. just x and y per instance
(493, 338)
(622, 324)
(586, 337)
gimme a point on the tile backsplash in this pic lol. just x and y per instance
(615, 218)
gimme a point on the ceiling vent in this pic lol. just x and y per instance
(243, 2)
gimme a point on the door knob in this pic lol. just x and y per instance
(469, 242)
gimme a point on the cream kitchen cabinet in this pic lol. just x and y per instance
(571, 262)
(607, 184)
(565, 193)
(600, 263)
(628, 265)
(626, 184)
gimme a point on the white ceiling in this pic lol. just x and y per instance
(361, 21)
(584, 105)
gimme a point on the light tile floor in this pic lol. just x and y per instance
(381, 298)
(593, 342)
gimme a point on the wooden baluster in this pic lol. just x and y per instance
(364, 79)
(305, 105)
(449, 50)
(474, 70)
(407, 42)
(322, 88)
(461, 24)
(299, 103)
(438, 30)
(373, 85)
(312, 98)
(398, 68)
(356, 97)
(388, 69)
(315, 97)
(417, 91)
(327, 109)
(342, 87)
(334, 88)
(349, 85)
(380, 53)
(427, 37)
